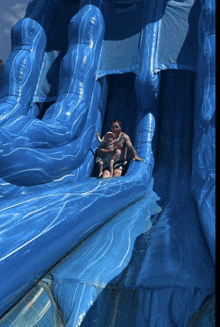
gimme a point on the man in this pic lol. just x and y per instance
(120, 152)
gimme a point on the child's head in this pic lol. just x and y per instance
(109, 137)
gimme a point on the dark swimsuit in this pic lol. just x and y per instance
(118, 165)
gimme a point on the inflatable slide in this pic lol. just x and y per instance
(136, 250)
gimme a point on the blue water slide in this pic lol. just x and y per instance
(130, 251)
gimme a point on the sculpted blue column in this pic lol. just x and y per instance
(37, 151)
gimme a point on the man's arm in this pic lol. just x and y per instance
(101, 151)
(131, 147)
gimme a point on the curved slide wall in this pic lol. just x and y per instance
(49, 202)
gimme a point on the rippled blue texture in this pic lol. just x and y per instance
(136, 250)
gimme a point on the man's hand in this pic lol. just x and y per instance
(136, 158)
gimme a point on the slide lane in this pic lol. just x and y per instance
(38, 230)
(93, 267)
(43, 219)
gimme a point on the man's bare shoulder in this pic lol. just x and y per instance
(125, 136)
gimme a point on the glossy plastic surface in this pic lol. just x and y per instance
(55, 93)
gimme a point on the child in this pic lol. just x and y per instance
(108, 141)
